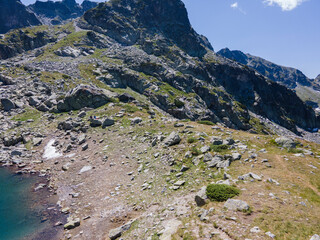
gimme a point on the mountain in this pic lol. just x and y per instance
(55, 12)
(307, 89)
(139, 130)
(13, 14)
(287, 76)
(159, 55)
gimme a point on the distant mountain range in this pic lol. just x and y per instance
(307, 89)
(14, 14)
(289, 77)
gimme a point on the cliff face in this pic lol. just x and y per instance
(13, 14)
(132, 21)
(286, 76)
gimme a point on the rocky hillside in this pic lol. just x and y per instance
(153, 50)
(307, 89)
(289, 77)
(143, 132)
(52, 12)
(13, 14)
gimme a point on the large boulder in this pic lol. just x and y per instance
(286, 142)
(236, 205)
(5, 80)
(201, 197)
(84, 96)
(95, 122)
(7, 104)
(107, 122)
(117, 232)
(172, 139)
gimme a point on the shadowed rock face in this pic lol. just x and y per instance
(131, 21)
(61, 10)
(13, 14)
(286, 76)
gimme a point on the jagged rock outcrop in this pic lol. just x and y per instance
(51, 12)
(13, 14)
(21, 40)
(132, 21)
(174, 56)
(286, 76)
(86, 5)
(84, 96)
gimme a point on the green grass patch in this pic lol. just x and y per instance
(192, 140)
(206, 122)
(28, 114)
(195, 151)
(221, 192)
(294, 150)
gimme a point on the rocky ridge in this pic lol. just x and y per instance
(307, 89)
(13, 14)
(56, 12)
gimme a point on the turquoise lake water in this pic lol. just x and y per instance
(18, 217)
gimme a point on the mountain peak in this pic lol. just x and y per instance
(13, 14)
(131, 21)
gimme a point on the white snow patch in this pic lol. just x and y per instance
(85, 169)
(50, 151)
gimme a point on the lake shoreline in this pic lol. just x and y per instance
(44, 198)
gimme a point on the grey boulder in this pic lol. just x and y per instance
(286, 142)
(236, 205)
(7, 104)
(84, 96)
(172, 139)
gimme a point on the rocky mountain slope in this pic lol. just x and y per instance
(287, 76)
(153, 49)
(13, 14)
(130, 115)
(51, 12)
(307, 89)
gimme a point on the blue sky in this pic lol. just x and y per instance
(286, 32)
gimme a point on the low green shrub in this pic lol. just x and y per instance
(195, 151)
(219, 148)
(221, 192)
(192, 140)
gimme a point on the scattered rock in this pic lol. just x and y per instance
(72, 224)
(107, 122)
(315, 237)
(236, 205)
(36, 141)
(7, 104)
(201, 197)
(117, 232)
(136, 120)
(95, 122)
(286, 142)
(270, 234)
(172, 139)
